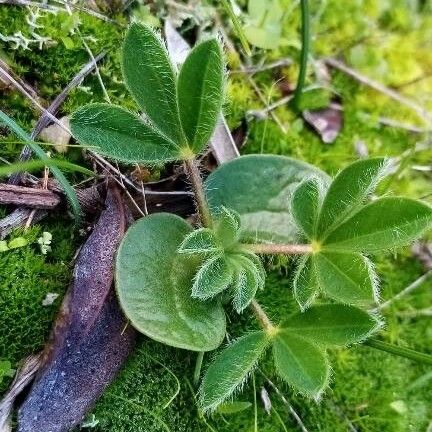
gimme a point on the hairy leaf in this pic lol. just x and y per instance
(119, 134)
(154, 286)
(150, 78)
(306, 286)
(230, 369)
(306, 206)
(212, 278)
(200, 93)
(348, 191)
(382, 224)
(200, 241)
(333, 324)
(347, 277)
(259, 188)
(227, 226)
(301, 364)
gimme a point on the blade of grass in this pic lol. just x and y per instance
(34, 165)
(67, 187)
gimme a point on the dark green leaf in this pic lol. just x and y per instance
(382, 224)
(230, 369)
(200, 93)
(333, 324)
(306, 286)
(347, 277)
(154, 286)
(301, 364)
(120, 135)
(259, 188)
(348, 191)
(150, 78)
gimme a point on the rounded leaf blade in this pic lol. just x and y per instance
(154, 286)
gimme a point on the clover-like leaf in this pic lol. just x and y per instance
(259, 188)
(306, 285)
(227, 226)
(214, 276)
(154, 286)
(119, 134)
(347, 277)
(200, 92)
(348, 191)
(231, 368)
(306, 203)
(200, 241)
(150, 78)
(385, 223)
(333, 324)
(302, 364)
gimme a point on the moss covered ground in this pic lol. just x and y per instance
(371, 391)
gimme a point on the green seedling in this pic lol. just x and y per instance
(174, 280)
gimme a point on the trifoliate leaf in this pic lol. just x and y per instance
(227, 226)
(213, 277)
(200, 241)
(306, 202)
(200, 93)
(150, 78)
(231, 368)
(306, 285)
(154, 285)
(383, 224)
(348, 191)
(333, 324)
(300, 363)
(347, 277)
(119, 134)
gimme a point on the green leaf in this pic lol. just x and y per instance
(200, 241)
(154, 285)
(306, 202)
(347, 277)
(150, 78)
(200, 93)
(233, 407)
(383, 224)
(333, 324)
(348, 191)
(257, 263)
(227, 226)
(301, 364)
(39, 152)
(306, 286)
(18, 242)
(230, 369)
(120, 135)
(259, 188)
(212, 278)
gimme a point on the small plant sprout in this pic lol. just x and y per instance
(173, 280)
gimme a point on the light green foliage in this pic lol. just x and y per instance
(121, 135)
(233, 407)
(259, 188)
(348, 192)
(6, 370)
(230, 369)
(228, 225)
(301, 363)
(199, 241)
(150, 78)
(383, 224)
(154, 285)
(199, 93)
(180, 116)
(306, 284)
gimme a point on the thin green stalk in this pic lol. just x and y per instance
(237, 26)
(279, 249)
(305, 36)
(198, 366)
(194, 176)
(399, 351)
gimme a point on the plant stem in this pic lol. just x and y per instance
(399, 351)
(194, 176)
(198, 366)
(279, 249)
(262, 317)
(305, 36)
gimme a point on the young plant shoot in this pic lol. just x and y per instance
(173, 281)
